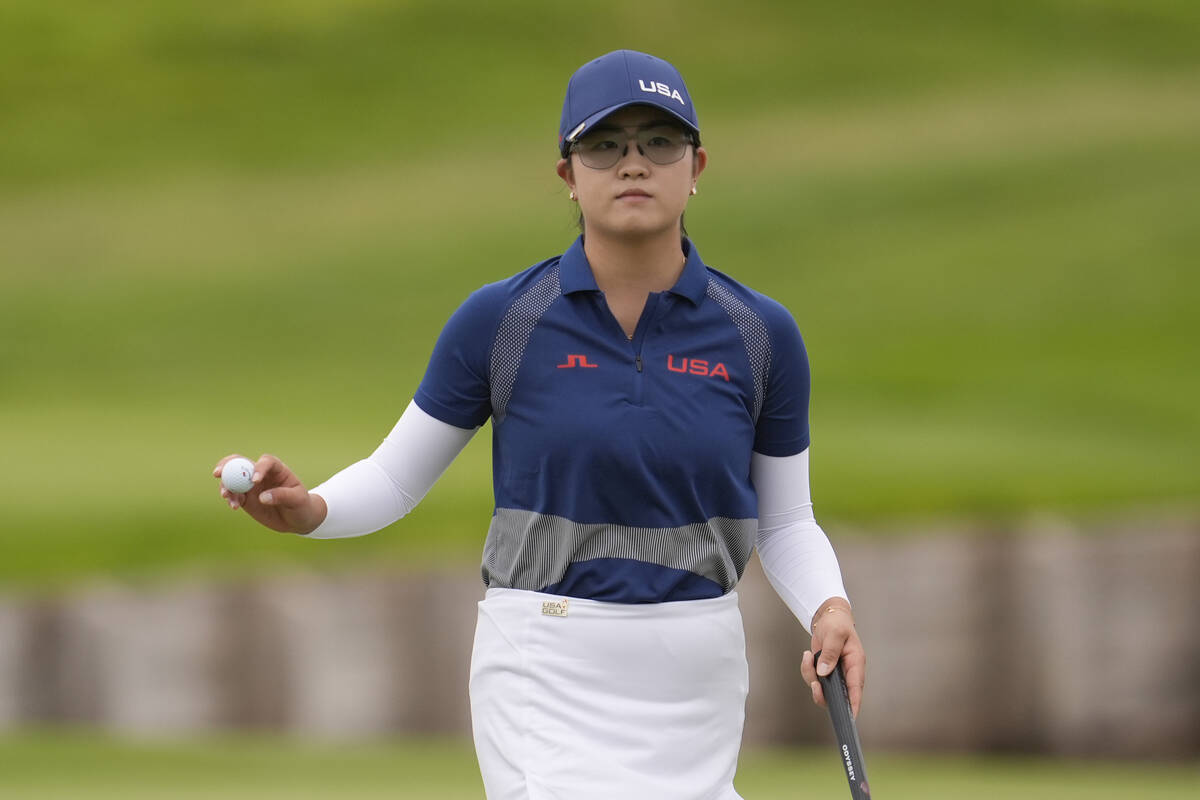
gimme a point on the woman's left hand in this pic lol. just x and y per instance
(834, 637)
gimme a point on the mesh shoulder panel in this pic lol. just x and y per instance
(754, 336)
(513, 335)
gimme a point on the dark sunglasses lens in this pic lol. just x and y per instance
(662, 145)
(600, 150)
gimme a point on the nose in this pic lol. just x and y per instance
(638, 165)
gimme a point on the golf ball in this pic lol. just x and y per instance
(236, 475)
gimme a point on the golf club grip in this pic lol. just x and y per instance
(837, 697)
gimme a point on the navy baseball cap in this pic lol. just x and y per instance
(618, 79)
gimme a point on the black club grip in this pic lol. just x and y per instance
(837, 697)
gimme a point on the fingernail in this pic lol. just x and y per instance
(824, 669)
(265, 497)
(233, 504)
(257, 477)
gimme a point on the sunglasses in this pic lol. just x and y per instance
(662, 143)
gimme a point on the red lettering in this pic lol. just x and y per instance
(576, 360)
(697, 366)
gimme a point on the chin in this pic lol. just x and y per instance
(637, 225)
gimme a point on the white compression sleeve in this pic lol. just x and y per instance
(375, 492)
(795, 553)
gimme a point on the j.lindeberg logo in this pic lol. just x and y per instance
(661, 88)
(576, 360)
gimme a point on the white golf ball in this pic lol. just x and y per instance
(236, 475)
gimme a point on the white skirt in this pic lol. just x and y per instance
(581, 699)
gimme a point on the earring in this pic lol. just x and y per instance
(693, 190)
(572, 194)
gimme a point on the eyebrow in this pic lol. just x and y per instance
(658, 123)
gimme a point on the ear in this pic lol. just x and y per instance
(699, 162)
(563, 168)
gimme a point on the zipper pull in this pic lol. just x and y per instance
(639, 362)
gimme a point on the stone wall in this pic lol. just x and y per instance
(1046, 641)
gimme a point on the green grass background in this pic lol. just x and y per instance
(267, 768)
(240, 229)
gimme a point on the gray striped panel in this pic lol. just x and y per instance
(527, 550)
(513, 335)
(754, 336)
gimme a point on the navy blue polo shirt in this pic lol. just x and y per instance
(621, 468)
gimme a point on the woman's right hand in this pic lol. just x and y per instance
(277, 499)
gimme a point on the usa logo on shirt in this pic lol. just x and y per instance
(697, 366)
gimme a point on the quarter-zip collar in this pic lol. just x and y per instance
(575, 273)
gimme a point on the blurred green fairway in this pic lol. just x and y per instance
(242, 230)
(80, 766)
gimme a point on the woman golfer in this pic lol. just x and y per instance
(650, 429)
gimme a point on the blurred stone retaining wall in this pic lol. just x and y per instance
(1047, 641)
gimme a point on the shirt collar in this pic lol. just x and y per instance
(575, 273)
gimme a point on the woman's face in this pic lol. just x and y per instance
(635, 196)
